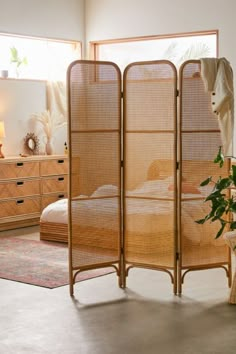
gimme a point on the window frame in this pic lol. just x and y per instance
(44, 39)
(94, 45)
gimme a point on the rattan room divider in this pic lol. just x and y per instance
(134, 196)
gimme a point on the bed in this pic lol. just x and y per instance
(149, 219)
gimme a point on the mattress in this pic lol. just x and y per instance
(143, 215)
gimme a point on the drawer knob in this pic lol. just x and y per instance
(60, 178)
(19, 164)
(20, 201)
(61, 196)
(19, 183)
(60, 161)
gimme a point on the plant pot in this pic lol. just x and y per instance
(4, 74)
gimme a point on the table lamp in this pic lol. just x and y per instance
(2, 135)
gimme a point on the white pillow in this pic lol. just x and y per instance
(107, 189)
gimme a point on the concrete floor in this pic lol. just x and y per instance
(145, 318)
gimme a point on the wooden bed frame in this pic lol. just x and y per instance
(51, 231)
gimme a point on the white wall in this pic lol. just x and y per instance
(19, 99)
(108, 19)
(111, 19)
(59, 19)
(62, 19)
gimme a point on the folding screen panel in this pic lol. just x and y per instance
(135, 190)
(150, 147)
(200, 139)
(94, 95)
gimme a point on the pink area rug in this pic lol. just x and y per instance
(38, 263)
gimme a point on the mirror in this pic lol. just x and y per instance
(31, 144)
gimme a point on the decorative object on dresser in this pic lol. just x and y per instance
(50, 122)
(31, 144)
(2, 135)
(28, 185)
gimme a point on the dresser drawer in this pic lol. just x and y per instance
(19, 169)
(49, 199)
(54, 184)
(54, 167)
(19, 206)
(19, 188)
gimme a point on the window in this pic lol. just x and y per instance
(176, 48)
(37, 58)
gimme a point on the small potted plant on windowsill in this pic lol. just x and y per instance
(17, 60)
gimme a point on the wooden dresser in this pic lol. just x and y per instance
(28, 185)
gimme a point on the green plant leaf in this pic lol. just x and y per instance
(220, 211)
(233, 225)
(206, 182)
(16, 59)
(233, 207)
(219, 157)
(221, 201)
(214, 195)
(234, 174)
(223, 183)
(14, 54)
(219, 233)
(201, 221)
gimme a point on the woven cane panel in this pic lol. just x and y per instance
(142, 152)
(200, 140)
(150, 97)
(149, 145)
(149, 237)
(94, 121)
(199, 246)
(94, 96)
(196, 108)
(95, 230)
(99, 160)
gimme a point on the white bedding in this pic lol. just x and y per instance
(57, 211)
(141, 213)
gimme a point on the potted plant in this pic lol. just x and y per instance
(222, 207)
(17, 60)
(222, 201)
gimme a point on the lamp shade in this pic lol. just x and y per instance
(2, 130)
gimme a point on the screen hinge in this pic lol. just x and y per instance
(177, 256)
(177, 165)
(177, 93)
(122, 163)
